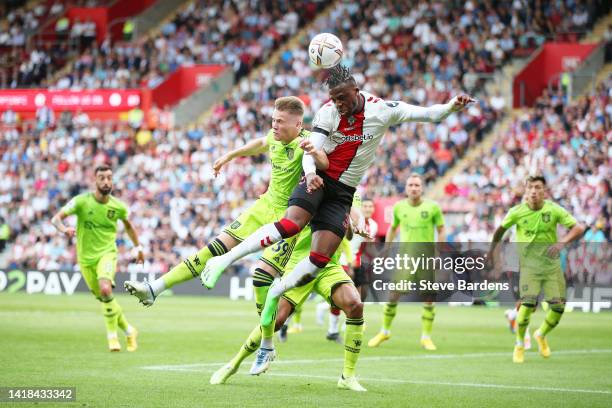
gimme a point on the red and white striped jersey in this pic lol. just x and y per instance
(351, 142)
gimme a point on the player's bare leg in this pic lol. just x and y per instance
(293, 222)
(190, 268)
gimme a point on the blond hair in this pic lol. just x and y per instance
(290, 104)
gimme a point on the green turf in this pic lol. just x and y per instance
(60, 341)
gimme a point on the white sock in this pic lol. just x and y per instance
(111, 335)
(290, 281)
(158, 286)
(267, 343)
(129, 330)
(425, 336)
(385, 332)
(260, 239)
(512, 314)
(333, 323)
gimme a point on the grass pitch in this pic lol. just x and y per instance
(60, 341)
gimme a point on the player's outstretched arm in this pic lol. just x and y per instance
(57, 222)
(401, 112)
(252, 148)
(129, 228)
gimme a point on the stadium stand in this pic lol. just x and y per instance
(165, 173)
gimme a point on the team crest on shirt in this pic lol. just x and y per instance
(351, 121)
(424, 214)
(290, 151)
(546, 216)
(110, 214)
(235, 225)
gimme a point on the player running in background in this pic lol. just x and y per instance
(417, 219)
(97, 214)
(536, 221)
(360, 275)
(349, 128)
(336, 287)
(285, 144)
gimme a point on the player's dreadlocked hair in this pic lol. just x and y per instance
(339, 75)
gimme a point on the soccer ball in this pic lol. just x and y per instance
(325, 50)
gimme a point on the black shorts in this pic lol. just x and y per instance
(329, 205)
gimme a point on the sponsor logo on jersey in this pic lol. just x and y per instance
(339, 138)
(392, 104)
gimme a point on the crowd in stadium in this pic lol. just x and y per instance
(165, 174)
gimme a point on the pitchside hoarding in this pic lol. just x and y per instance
(441, 272)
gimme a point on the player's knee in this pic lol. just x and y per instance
(288, 228)
(106, 291)
(354, 308)
(557, 305)
(318, 259)
(529, 302)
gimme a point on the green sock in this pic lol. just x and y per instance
(427, 319)
(267, 331)
(388, 315)
(353, 337)
(193, 266)
(261, 284)
(552, 319)
(297, 316)
(111, 311)
(123, 323)
(250, 345)
(522, 321)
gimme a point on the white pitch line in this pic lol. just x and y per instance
(417, 382)
(194, 367)
(452, 384)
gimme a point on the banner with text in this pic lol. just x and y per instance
(108, 100)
